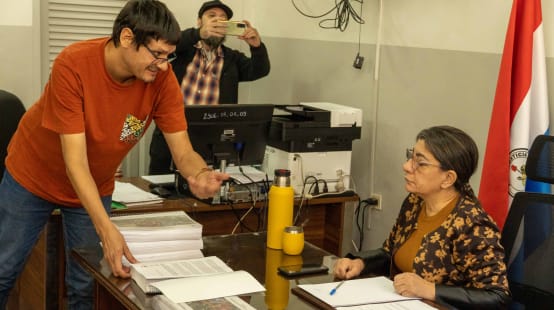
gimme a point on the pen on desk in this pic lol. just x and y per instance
(334, 290)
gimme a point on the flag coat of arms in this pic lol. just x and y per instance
(520, 111)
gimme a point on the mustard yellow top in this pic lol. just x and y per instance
(404, 257)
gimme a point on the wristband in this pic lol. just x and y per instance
(205, 169)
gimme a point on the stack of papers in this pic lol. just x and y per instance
(209, 287)
(252, 174)
(130, 195)
(204, 279)
(146, 274)
(161, 179)
(161, 236)
(232, 302)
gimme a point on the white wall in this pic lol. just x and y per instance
(20, 49)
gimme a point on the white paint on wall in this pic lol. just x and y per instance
(16, 13)
(460, 25)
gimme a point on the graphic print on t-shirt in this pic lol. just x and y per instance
(132, 129)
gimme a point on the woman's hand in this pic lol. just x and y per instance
(409, 284)
(346, 268)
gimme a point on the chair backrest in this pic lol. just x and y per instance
(528, 233)
(11, 111)
(528, 239)
(540, 160)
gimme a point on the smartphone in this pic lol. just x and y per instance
(234, 28)
(303, 269)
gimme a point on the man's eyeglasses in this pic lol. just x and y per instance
(418, 163)
(160, 60)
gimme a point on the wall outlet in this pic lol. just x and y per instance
(379, 199)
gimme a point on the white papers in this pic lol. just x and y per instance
(165, 246)
(183, 268)
(356, 292)
(130, 195)
(208, 287)
(144, 274)
(160, 179)
(158, 226)
(252, 173)
(397, 305)
(164, 256)
(161, 236)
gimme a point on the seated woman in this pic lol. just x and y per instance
(443, 247)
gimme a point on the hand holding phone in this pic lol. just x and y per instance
(234, 28)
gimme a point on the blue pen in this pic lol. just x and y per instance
(334, 290)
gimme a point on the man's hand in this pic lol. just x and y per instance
(346, 268)
(213, 28)
(114, 247)
(409, 284)
(206, 184)
(251, 35)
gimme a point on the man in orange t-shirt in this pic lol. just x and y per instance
(101, 97)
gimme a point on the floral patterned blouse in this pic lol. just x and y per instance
(464, 251)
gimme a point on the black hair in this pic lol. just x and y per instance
(454, 150)
(148, 19)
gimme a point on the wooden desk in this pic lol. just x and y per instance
(41, 285)
(241, 252)
(324, 217)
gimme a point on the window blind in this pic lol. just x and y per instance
(75, 20)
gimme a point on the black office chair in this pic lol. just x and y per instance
(540, 160)
(11, 111)
(531, 218)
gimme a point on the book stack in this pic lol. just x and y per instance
(161, 236)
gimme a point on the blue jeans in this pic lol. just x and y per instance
(22, 218)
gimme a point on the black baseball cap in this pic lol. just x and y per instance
(215, 4)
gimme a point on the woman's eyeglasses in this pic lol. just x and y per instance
(418, 163)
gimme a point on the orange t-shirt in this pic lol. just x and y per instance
(82, 97)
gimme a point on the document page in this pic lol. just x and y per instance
(208, 287)
(183, 268)
(355, 292)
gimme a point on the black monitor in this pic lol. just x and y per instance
(236, 133)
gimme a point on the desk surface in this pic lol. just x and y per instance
(241, 252)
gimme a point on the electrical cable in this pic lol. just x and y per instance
(343, 11)
(363, 205)
(239, 218)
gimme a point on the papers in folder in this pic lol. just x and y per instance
(247, 175)
(130, 195)
(358, 292)
(160, 179)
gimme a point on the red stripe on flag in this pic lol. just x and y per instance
(514, 80)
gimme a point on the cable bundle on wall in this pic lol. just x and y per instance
(343, 11)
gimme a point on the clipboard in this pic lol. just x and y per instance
(311, 298)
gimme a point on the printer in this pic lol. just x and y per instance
(314, 141)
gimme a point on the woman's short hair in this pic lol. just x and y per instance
(148, 19)
(454, 150)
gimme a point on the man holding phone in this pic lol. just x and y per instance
(208, 71)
